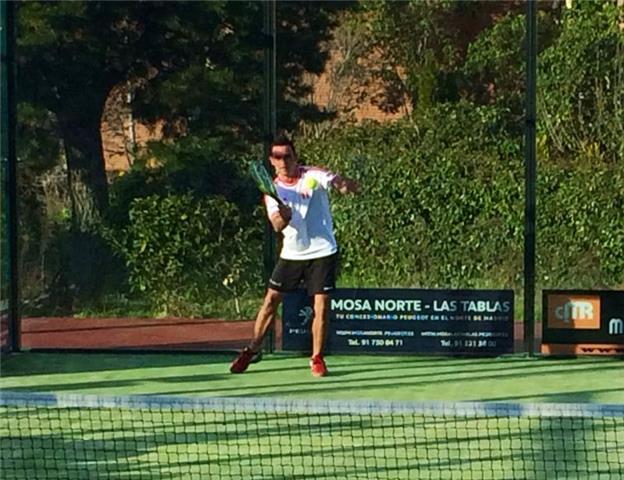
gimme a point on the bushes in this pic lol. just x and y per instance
(443, 206)
(442, 202)
(187, 255)
(581, 226)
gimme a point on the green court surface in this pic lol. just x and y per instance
(508, 379)
(310, 428)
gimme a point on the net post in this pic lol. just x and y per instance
(530, 176)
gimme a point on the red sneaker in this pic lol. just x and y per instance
(245, 357)
(318, 367)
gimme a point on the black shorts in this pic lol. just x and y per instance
(316, 276)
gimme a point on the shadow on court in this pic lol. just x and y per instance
(288, 375)
(25, 364)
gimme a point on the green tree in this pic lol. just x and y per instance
(196, 65)
(71, 54)
(424, 45)
(581, 83)
(303, 30)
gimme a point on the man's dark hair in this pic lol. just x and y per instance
(282, 139)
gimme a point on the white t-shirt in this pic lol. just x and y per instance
(310, 233)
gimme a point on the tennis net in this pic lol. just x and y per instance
(67, 436)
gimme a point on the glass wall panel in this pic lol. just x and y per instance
(136, 125)
(580, 141)
(423, 104)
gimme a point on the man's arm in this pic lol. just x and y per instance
(345, 185)
(280, 219)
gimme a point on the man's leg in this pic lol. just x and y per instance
(319, 332)
(319, 324)
(321, 280)
(264, 320)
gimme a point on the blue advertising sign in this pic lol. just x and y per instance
(406, 321)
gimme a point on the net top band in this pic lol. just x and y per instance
(292, 405)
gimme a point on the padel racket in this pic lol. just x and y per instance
(264, 181)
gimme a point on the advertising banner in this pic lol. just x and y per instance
(406, 321)
(589, 322)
